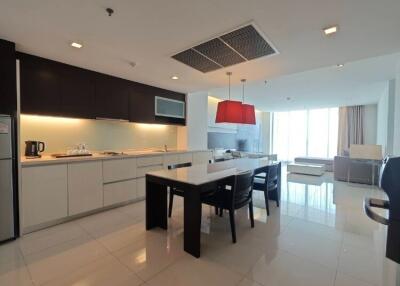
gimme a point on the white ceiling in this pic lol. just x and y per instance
(149, 32)
(359, 82)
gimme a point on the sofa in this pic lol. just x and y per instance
(360, 171)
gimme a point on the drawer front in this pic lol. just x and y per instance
(186, 158)
(170, 160)
(149, 161)
(141, 188)
(119, 169)
(202, 157)
(85, 187)
(119, 192)
(141, 172)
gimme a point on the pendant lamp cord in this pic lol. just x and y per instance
(229, 87)
(243, 81)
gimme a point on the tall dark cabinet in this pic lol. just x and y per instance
(8, 94)
(9, 214)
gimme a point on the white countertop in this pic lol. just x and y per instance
(48, 159)
(205, 173)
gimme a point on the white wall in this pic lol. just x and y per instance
(194, 135)
(370, 123)
(385, 118)
(396, 121)
(382, 120)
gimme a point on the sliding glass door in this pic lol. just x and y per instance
(305, 133)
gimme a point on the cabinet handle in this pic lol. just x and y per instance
(112, 119)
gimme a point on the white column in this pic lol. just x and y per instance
(194, 135)
(396, 127)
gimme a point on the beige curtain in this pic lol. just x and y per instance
(351, 128)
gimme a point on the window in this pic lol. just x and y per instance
(311, 133)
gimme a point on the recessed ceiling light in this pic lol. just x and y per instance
(76, 45)
(174, 77)
(330, 30)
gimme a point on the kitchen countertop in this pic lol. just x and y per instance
(48, 159)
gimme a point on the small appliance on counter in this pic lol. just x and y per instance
(389, 181)
(33, 149)
(79, 150)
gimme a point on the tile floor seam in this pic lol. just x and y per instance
(26, 266)
(128, 268)
(48, 247)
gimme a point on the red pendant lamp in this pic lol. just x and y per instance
(229, 111)
(248, 111)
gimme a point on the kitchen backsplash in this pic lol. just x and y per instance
(61, 134)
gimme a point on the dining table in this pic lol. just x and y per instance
(193, 181)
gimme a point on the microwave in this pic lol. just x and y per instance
(167, 107)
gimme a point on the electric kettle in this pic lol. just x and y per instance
(33, 148)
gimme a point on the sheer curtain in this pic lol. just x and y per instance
(351, 128)
(311, 133)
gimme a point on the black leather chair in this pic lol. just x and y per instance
(174, 191)
(268, 182)
(239, 196)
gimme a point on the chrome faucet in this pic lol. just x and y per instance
(165, 148)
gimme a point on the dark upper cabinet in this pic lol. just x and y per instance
(53, 88)
(142, 105)
(77, 93)
(112, 97)
(8, 94)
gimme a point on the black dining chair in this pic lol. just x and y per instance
(239, 196)
(268, 182)
(174, 191)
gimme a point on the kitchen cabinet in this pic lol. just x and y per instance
(119, 169)
(57, 89)
(44, 194)
(112, 97)
(63, 190)
(119, 192)
(53, 88)
(141, 188)
(8, 94)
(149, 161)
(142, 104)
(185, 158)
(85, 187)
(202, 157)
(170, 159)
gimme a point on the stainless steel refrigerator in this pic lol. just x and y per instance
(7, 185)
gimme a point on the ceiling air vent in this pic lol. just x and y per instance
(232, 48)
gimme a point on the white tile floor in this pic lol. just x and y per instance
(319, 236)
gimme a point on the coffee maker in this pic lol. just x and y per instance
(33, 149)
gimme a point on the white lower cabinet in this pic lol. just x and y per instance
(185, 158)
(85, 187)
(119, 192)
(44, 194)
(202, 157)
(170, 159)
(141, 188)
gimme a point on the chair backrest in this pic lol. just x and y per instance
(242, 189)
(182, 165)
(272, 174)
